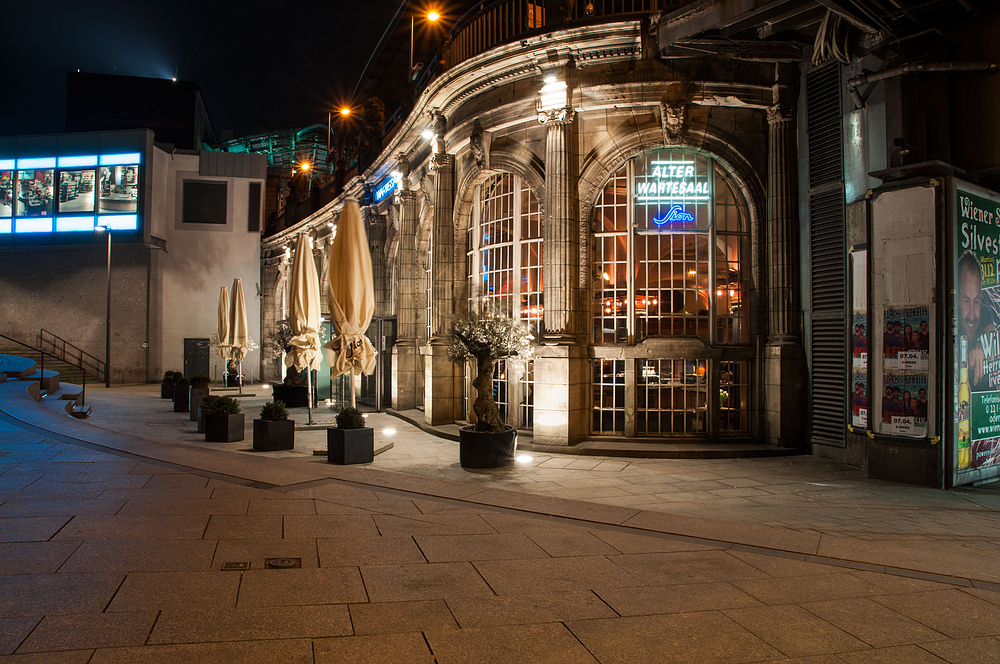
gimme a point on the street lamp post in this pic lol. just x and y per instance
(431, 16)
(107, 329)
(344, 111)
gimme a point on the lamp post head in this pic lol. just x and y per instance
(433, 16)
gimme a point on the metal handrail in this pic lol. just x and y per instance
(503, 21)
(42, 353)
(59, 344)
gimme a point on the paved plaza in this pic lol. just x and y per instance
(116, 534)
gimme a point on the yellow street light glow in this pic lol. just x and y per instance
(433, 15)
(304, 165)
(345, 111)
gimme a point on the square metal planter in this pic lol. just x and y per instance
(182, 397)
(271, 436)
(220, 428)
(167, 389)
(197, 394)
(347, 446)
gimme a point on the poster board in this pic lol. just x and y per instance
(903, 339)
(858, 393)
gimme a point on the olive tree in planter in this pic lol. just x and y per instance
(181, 388)
(486, 339)
(222, 420)
(273, 431)
(199, 390)
(167, 386)
(351, 441)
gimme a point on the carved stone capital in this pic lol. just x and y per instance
(443, 160)
(556, 116)
(780, 113)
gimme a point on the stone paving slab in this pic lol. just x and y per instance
(397, 575)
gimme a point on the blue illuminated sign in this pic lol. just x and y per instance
(675, 215)
(387, 187)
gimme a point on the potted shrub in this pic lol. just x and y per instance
(351, 441)
(181, 388)
(167, 386)
(199, 390)
(273, 431)
(486, 339)
(222, 420)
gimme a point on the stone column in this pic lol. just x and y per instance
(442, 389)
(560, 390)
(784, 360)
(406, 362)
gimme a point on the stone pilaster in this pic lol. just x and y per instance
(407, 364)
(442, 390)
(561, 233)
(784, 360)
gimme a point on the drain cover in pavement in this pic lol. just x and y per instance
(229, 567)
(283, 563)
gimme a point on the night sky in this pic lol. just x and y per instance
(261, 65)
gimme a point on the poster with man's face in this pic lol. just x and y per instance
(977, 312)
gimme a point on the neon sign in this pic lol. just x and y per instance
(675, 215)
(671, 181)
(388, 186)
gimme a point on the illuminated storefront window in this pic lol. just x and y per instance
(505, 272)
(80, 192)
(670, 261)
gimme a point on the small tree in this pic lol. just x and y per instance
(488, 338)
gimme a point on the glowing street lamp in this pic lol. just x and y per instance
(431, 16)
(344, 112)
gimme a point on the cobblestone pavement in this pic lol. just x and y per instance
(114, 534)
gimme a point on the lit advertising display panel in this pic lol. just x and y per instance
(976, 449)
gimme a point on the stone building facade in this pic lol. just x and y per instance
(640, 213)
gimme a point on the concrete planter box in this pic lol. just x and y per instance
(182, 398)
(220, 428)
(486, 449)
(348, 446)
(271, 436)
(197, 394)
(167, 389)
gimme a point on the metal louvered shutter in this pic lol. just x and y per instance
(828, 258)
(204, 202)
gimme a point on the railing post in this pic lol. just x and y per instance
(83, 392)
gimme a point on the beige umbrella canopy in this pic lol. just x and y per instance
(303, 311)
(352, 297)
(222, 324)
(238, 327)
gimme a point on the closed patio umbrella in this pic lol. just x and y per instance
(222, 324)
(238, 327)
(352, 297)
(304, 315)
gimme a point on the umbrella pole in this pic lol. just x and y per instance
(309, 393)
(353, 402)
(240, 369)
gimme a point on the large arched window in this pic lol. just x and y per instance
(670, 260)
(670, 244)
(504, 252)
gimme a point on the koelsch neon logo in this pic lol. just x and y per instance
(675, 215)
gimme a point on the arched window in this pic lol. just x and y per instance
(504, 252)
(670, 242)
(670, 260)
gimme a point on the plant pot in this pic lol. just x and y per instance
(272, 436)
(167, 389)
(486, 449)
(181, 398)
(197, 394)
(347, 446)
(222, 428)
(232, 380)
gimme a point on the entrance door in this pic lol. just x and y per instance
(195, 357)
(376, 390)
